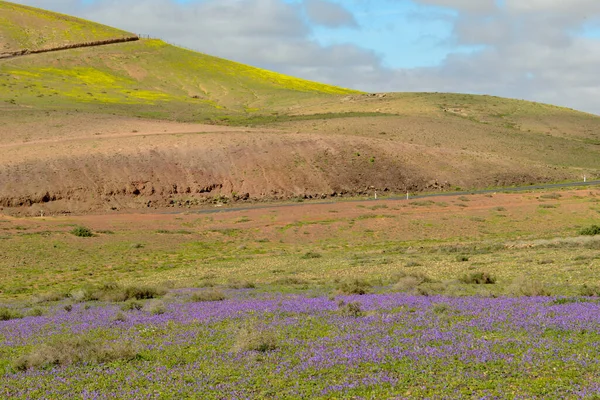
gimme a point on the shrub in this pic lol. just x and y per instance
(242, 285)
(49, 297)
(545, 262)
(156, 308)
(68, 308)
(462, 258)
(409, 282)
(411, 264)
(132, 305)
(590, 231)
(74, 350)
(357, 286)
(352, 309)
(590, 291)
(7, 314)
(441, 308)
(290, 280)
(406, 284)
(116, 293)
(478, 278)
(553, 196)
(119, 317)
(142, 292)
(529, 287)
(311, 255)
(208, 295)
(256, 338)
(35, 312)
(82, 231)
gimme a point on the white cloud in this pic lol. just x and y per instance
(329, 14)
(477, 6)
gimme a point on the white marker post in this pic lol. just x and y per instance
(584, 178)
(406, 195)
(376, 195)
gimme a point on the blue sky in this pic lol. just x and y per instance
(542, 50)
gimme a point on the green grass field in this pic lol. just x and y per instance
(381, 244)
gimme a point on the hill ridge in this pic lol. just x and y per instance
(29, 28)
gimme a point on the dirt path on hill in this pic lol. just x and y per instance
(202, 129)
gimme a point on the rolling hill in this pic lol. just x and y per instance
(23, 27)
(147, 124)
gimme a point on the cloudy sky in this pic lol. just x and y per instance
(542, 50)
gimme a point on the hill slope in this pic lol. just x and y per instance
(75, 133)
(23, 27)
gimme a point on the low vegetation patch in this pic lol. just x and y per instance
(409, 282)
(82, 231)
(256, 337)
(208, 295)
(311, 255)
(478, 278)
(356, 286)
(590, 291)
(590, 231)
(7, 314)
(75, 350)
(132, 305)
(117, 293)
(529, 287)
(552, 196)
(352, 309)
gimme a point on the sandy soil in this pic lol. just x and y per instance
(76, 163)
(391, 219)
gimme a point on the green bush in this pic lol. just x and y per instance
(82, 231)
(311, 255)
(478, 278)
(357, 286)
(256, 338)
(208, 295)
(590, 291)
(132, 305)
(117, 293)
(35, 312)
(590, 231)
(352, 309)
(8, 314)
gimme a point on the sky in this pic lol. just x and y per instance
(540, 50)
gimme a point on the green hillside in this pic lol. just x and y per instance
(151, 78)
(23, 27)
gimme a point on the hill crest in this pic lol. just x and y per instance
(29, 28)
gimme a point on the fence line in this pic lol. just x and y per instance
(26, 52)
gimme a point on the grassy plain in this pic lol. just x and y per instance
(316, 247)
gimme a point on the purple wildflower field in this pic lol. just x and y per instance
(391, 346)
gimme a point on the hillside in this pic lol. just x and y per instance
(86, 129)
(23, 27)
